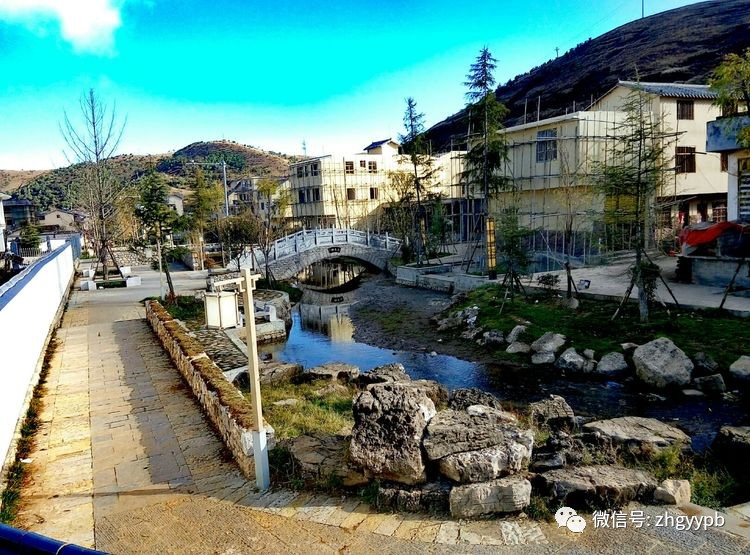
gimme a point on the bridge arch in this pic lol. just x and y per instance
(292, 254)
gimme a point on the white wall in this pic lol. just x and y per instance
(28, 305)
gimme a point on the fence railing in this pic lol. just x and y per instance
(310, 238)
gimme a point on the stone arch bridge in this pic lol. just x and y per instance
(292, 254)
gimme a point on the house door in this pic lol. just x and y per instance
(743, 192)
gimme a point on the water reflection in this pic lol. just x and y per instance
(332, 275)
(324, 333)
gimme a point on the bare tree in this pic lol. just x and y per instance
(92, 141)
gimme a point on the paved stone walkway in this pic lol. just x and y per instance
(221, 349)
(126, 462)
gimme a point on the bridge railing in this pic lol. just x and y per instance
(310, 238)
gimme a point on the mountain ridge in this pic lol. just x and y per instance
(662, 47)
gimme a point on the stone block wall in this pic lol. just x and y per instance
(237, 436)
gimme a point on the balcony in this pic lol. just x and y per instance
(721, 134)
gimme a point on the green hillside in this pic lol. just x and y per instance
(57, 187)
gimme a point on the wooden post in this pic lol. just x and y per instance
(260, 446)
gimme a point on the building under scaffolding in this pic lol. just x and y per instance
(551, 166)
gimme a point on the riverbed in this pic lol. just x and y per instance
(348, 332)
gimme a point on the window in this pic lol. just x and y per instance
(349, 167)
(299, 171)
(351, 194)
(373, 193)
(315, 169)
(307, 171)
(302, 197)
(372, 167)
(685, 109)
(546, 145)
(316, 194)
(719, 211)
(262, 205)
(362, 164)
(724, 162)
(743, 189)
(685, 158)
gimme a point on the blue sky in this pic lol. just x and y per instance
(335, 75)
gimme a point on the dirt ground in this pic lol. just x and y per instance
(393, 317)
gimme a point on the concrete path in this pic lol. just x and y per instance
(126, 462)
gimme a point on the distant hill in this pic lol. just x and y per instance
(680, 45)
(56, 187)
(10, 180)
(242, 160)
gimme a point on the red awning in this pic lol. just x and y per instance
(702, 234)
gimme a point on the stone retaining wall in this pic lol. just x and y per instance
(228, 417)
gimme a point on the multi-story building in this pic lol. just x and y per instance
(244, 195)
(353, 190)
(19, 212)
(552, 164)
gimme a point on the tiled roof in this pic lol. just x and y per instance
(376, 144)
(673, 90)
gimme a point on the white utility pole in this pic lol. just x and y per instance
(260, 444)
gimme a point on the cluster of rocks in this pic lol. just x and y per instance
(658, 364)
(465, 454)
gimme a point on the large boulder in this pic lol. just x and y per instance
(554, 412)
(515, 333)
(559, 450)
(272, 373)
(333, 371)
(389, 422)
(612, 364)
(571, 361)
(732, 446)
(431, 497)
(387, 373)
(462, 399)
(711, 385)
(545, 357)
(660, 363)
(325, 458)
(518, 347)
(453, 431)
(493, 337)
(550, 342)
(437, 392)
(507, 495)
(704, 364)
(637, 432)
(604, 487)
(740, 370)
(509, 456)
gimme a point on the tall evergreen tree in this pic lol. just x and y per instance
(156, 215)
(487, 150)
(636, 169)
(416, 148)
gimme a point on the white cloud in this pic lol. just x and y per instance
(89, 25)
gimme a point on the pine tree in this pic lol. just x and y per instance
(416, 148)
(636, 170)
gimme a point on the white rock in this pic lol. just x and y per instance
(660, 363)
(549, 342)
(673, 492)
(507, 495)
(515, 333)
(518, 347)
(740, 369)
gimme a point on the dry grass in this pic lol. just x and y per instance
(314, 414)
